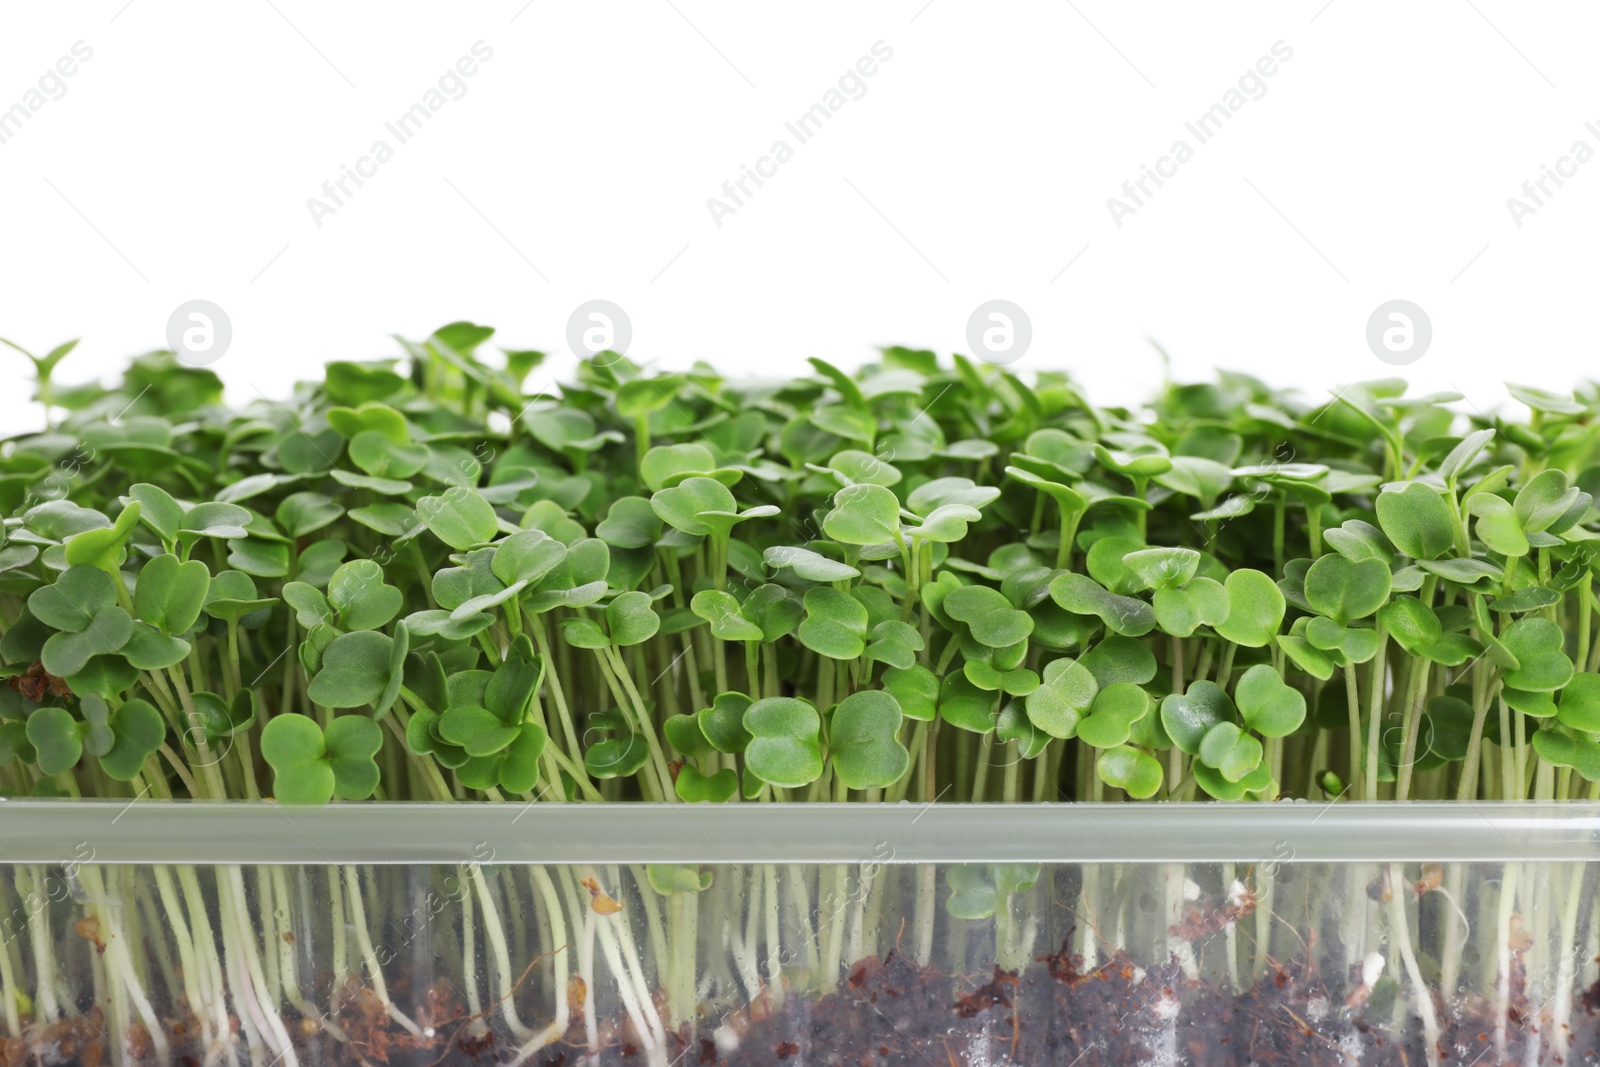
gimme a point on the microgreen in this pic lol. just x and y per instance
(682, 588)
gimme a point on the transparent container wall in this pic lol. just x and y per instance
(808, 963)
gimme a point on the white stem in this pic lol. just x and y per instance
(858, 917)
(287, 970)
(223, 1043)
(266, 916)
(358, 917)
(8, 987)
(469, 965)
(1567, 973)
(248, 1012)
(120, 963)
(769, 874)
(1402, 937)
(744, 959)
(341, 961)
(630, 954)
(39, 936)
(1508, 890)
(800, 901)
(583, 929)
(499, 953)
(650, 901)
(1230, 935)
(231, 895)
(193, 970)
(559, 958)
(835, 925)
(646, 1026)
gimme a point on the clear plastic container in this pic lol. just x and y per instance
(822, 934)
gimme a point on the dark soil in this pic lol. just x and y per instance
(889, 1012)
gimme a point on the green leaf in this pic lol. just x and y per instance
(355, 670)
(171, 594)
(310, 767)
(1270, 707)
(915, 689)
(363, 601)
(459, 517)
(519, 764)
(631, 523)
(978, 890)
(1218, 787)
(302, 514)
(138, 730)
(1542, 665)
(1163, 568)
(1203, 602)
(667, 465)
(58, 739)
(1415, 517)
(65, 654)
(1230, 751)
(863, 467)
(477, 731)
(694, 787)
(1187, 716)
(1580, 703)
(863, 740)
(1498, 526)
(527, 556)
(864, 514)
(688, 505)
(1563, 749)
(776, 610)
(104, 548)
(1255, 609)
(1344, 590)
(668, 879)
(1117, 709)
(1132, 770)
(989, 616)
(785, 746)
(1064, 697)
(809, 565)
(835, 625)
(683, 733)
(1463, 454)
(213, 519)
(78, 595)
(1121, 659)
(721, 610)
(631, 619)
(384, 458)
(1082, 595)
(723, 722)
(617, 756)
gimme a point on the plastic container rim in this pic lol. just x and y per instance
(262, 832)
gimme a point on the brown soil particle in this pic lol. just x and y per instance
(890, 1012)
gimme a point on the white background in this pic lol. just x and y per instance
(977, 165)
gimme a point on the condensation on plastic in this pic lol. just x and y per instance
(248, 934)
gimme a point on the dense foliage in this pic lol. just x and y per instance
(412, 580)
